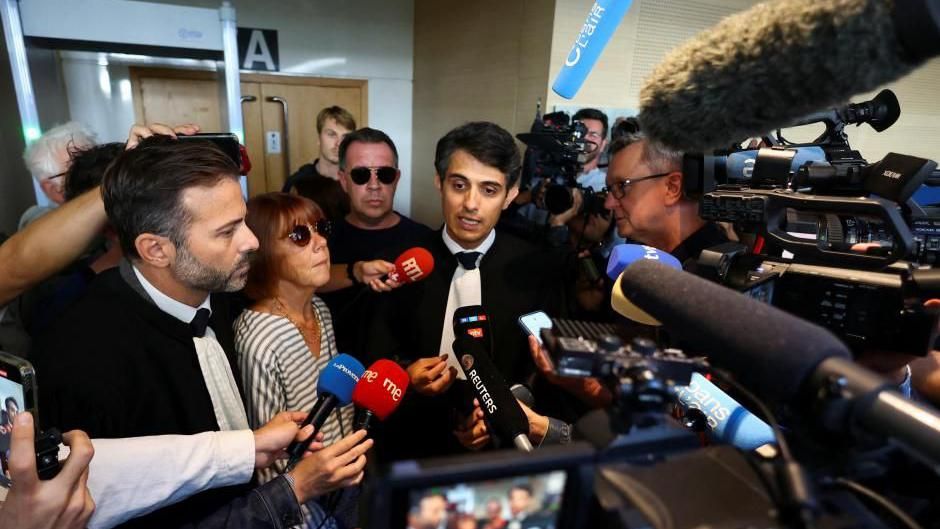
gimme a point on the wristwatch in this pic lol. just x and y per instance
(351, 275)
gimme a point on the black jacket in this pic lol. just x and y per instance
(406, 324)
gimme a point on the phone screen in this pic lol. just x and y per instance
(534, 322)
(13, 401)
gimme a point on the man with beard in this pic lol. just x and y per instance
(149, 349)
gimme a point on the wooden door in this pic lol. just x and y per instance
(172, 96)
(304, 102)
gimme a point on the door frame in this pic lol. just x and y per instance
(136, 72)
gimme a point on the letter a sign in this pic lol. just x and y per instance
(257, 49)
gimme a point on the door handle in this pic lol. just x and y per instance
(283, 102)
(248, 99)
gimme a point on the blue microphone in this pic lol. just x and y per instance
(602, 20)
(623, 255)
(335, 386)
(728, 421)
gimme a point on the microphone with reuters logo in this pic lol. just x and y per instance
(379, 392)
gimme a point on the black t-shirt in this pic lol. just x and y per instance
(325, 191)
(349, 244)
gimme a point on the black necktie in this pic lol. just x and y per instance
(200, 322)
(468, 260)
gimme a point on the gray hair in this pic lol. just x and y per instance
(656, 155)
(40, 156)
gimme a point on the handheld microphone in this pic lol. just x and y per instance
(414, 264)
(622, 256)
(379, 392)
(602, 21)
(334, 389)
(472, 347)
(748, 74)
(728, 421)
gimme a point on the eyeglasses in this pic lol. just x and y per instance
(620, 189)
(362, 175)
(302, 233)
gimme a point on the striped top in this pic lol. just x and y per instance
(279, 373)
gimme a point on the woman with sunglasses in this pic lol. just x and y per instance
(285, 338)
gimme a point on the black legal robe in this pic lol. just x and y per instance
(115, 365)
(516, 278)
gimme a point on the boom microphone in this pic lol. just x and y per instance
(768, 350)
(768, 66)
(783, 358)
(379, 392)
(334, 389)
(502, 411)
(414, 264)
(622, 256)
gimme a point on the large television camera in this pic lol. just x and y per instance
(839, 241)
(556, 147)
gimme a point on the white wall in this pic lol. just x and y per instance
(365, 39)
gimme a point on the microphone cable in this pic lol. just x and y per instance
(796, 502)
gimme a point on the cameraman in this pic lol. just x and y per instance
(650, 205)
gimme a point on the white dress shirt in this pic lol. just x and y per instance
(216, 370)
(465, 289)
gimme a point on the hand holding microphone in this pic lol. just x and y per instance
(375, 275)
(334, 389)
(337, 466)
(431, 376)
(379, 392)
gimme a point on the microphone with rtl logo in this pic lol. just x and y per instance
(414, 264)
(472, 346)
(379, 392)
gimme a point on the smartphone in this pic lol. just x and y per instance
(19, 393)
(226, 141)
(534, 322)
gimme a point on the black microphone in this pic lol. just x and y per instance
(472, 346)
(766, 67)
(782, 358)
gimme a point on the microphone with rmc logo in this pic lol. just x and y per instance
(379, 392)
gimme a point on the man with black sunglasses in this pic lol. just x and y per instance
(650, 204)
(371, 235)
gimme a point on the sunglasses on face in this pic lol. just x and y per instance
(362, 175)
(302, 233)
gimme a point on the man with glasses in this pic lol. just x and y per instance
(649, 202)
(371, 235)
(48, 160)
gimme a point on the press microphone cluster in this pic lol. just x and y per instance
(728, 421)
(376, 392)
(768, 66)
(473, 346)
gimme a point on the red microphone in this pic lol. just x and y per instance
(380, 391)
(414, 264)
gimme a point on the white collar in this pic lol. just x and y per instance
(456, 248)
(178, 310)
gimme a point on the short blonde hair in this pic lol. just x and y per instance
(339, 114)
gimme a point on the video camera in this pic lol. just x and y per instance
(858, 241)
(554, 155)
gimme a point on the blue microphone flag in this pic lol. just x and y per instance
(598, 28)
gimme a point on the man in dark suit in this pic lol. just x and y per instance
(477, 166)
